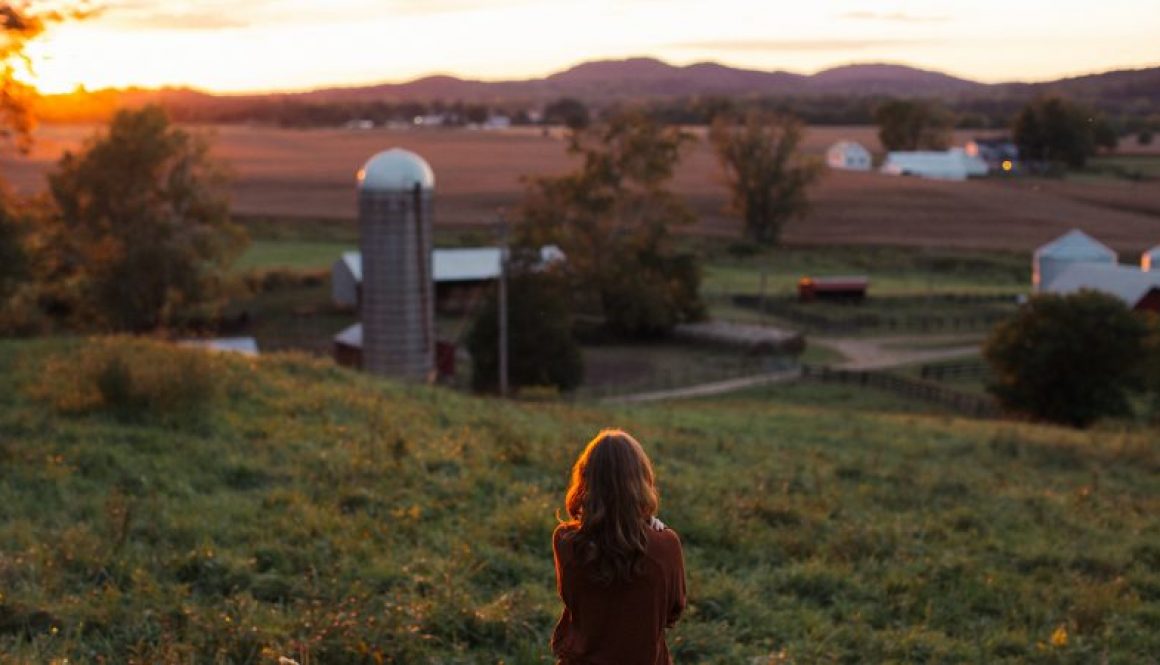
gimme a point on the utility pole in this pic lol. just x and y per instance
(503, 306)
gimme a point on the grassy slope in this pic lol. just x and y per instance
(330, 517)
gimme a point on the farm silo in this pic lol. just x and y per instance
(1150, 260)
(395, 190)
(1069, 249)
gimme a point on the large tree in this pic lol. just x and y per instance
(1067, 358)
(914, 124)
(1053, 130)
(142, 233)
(767, 175)
(612, 217)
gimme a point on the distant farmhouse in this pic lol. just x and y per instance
(954, 164)
(1000, 154)
(1076, 262)
(848, 156)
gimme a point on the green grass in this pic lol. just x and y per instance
(333, 518)
(892, 270)
(291, 255)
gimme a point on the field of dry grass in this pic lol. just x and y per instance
(310, 173)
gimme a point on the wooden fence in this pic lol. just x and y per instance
(965, 403)
(954, 370)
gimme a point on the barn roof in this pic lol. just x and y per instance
(1076, 245)
(466, 264)
(351, 336)
(845, 145)
(1127, 283)
(247, 346)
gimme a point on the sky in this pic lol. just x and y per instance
(267, 45)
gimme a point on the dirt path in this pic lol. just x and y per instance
(883, 352)
(707, 389)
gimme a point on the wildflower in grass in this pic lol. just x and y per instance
(1059, 637)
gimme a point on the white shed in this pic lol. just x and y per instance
(1127, 283)
(1073, 247)
(1150, 260)
(952, 164)
(848, 156)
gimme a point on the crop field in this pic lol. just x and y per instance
(310, 173)
(228, 510)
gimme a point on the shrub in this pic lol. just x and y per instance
(542, 350)
(1066, 358)
(131, 378)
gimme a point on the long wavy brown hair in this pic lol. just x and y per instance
(610, 500)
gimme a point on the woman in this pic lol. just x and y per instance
(619, 570)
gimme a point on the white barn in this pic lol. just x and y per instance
(1128, 283)
(849, 156)
(1150, 260)
(1073, 247)
(954, 164)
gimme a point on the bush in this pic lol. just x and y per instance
(131, 378)
(1067, 358)
(542, 350)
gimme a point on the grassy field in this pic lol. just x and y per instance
(310, 174)
(290, 508)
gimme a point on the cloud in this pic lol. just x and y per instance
(796, 45)
(208, 15)
(895, 17)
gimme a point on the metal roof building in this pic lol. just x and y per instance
(1073, 247)
(449, 265)
(1137, 288)
(953, 164)
(849, 156)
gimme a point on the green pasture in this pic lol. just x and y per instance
(289, 508)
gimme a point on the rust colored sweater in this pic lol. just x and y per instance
(620, 624)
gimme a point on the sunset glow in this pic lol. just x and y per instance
(260, 45)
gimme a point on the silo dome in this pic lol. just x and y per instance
(396, 170)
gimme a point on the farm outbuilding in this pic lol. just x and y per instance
(1138, 289)
(452, 269)
(346, 279)
(246, 346)
(1150, 260)
(348, 351)
(1072, 248)
(1000, 154)
(849, 156)
(954, 164)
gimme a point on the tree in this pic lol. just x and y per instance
(1053, 130)
(912, 124)
(766, 173)
(572, 113)
(1067, 358)
(539, 333)
(612, 218)
(142, 232)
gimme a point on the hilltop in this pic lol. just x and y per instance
(331, 517)
(605, 82)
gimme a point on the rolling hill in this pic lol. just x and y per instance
(234, 510)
